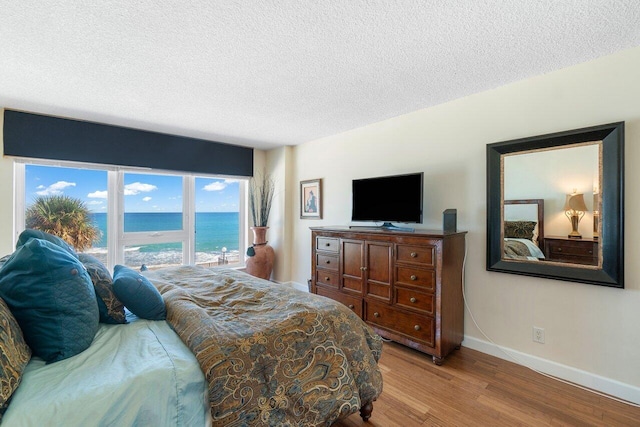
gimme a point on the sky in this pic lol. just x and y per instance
(143, 192)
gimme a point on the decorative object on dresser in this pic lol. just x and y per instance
(576, 251)
(260, 255)
(311, 199)
(406, 285)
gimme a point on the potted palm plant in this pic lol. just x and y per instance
(260, 255)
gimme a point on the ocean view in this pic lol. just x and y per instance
(214, 230)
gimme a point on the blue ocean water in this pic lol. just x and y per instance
(214, 230)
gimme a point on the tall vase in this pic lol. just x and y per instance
(260, 264)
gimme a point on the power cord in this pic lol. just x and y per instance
(518, 361)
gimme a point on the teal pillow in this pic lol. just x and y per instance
(4, 259)
(110, 307)
(51, 296)
(138, 294)
(30, 233)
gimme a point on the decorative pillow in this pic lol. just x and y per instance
(14, 356)
(31, 233)
(4, 259)
(519, 229)
(109, 306)
(138, 294)
(51, 296)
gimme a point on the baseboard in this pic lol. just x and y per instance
(586, 379)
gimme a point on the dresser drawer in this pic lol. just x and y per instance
(414, 300)
(416, 327)
(327, 278)
(327, 244)
(425, 279)
(423, 255)
(579, 251)
(325, 261)
(353, 303)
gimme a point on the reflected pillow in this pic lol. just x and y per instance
(51, 296)
(15, 355)
(111, 309)
(138, 294)
(519, 229)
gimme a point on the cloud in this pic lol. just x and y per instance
(137, 188)
(95, 202)
(98, 194)
(215, 186)
(54, 189)
(146, 199)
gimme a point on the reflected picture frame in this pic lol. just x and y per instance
(311, 199)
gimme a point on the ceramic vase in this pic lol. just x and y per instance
(260, 264)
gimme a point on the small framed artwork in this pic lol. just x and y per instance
(311, 199)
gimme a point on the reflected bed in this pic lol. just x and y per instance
(523, 229)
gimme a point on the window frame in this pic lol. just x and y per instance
(117, 239)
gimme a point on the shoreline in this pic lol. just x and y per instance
(135, 259)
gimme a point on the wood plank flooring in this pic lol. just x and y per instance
(475, 389)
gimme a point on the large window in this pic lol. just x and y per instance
(144, 219)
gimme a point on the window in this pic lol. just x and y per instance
(149, 219)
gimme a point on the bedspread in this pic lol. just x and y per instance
(272, 355)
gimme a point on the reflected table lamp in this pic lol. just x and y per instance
(574, 209)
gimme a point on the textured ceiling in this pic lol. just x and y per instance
(271, 73)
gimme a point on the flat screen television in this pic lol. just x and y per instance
(388, 199)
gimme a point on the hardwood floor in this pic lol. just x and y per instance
(475, 389)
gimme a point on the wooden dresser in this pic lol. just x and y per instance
(406, 285)
(575, 251)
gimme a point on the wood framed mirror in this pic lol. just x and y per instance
(573, 182)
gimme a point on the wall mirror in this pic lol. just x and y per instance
(555, 206)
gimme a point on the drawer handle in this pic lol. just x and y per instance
(590, 252)
(326, 278)
(417, 327)
(559, 249)
(328, 261)
(414, 277)
(327, 244)
(376, 314)
(350, 306)
(414, 254)
(413, 299)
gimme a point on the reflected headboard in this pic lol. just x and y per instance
(538, 212)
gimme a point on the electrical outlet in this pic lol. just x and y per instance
(538, 335)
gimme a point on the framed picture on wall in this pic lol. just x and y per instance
(311, 199)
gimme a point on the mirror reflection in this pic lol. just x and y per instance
(551, 205)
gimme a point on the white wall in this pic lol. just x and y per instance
(594, 329)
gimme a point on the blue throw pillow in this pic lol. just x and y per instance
(138, 294)
(30, 233)
(51, 296)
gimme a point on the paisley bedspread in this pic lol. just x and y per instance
(272, 355)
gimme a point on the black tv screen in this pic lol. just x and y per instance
(396, 198)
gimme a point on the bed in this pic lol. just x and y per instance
(523, 231)
(233, 350)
